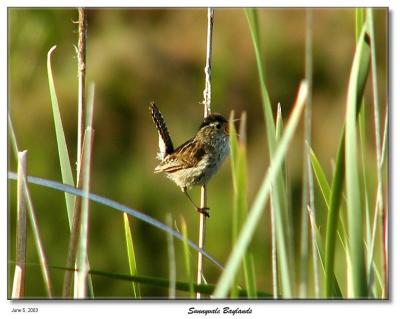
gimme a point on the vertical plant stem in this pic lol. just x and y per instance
(207, 111)
(202, 236)
(81, 52)
(77, 212)
(20, 256)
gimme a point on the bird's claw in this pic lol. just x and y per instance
(203, 210)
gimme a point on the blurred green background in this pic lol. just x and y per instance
(135, 56)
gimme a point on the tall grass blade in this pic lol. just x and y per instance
(32, 218)
(233, 143)
(188, 264)
(240, 204)
(379, 201)
(18, 290)
(308, 206)
(131, 255)
(355, 222)
(78, 218)
(361, 63)
(333, 216)
(65, 163)
(284, 227)
(171, 262)
(258, 206)
(275, 281)
(86, 159)
(82, 257)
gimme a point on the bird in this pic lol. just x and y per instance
(194, 162)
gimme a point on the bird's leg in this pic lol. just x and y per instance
(201, 210)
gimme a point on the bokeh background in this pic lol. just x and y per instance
(135, 56)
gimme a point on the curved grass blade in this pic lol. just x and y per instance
(258, 206)
(115, 205)
(65, 163)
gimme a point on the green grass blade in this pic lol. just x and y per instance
(321, 254)
(359, 22)
(165, 283)
(82, 257)
(355, 89)
(131, 255)
(11, 134)
(250, 275)
(171, 261)
(284, 229)
(233, 143)
(188, 264)
(18, 288)
(361, 63)
(379, 201)
(65, 163)
(258, 206)
(240, 204)
(321, 177)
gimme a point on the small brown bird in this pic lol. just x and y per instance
(195, 161)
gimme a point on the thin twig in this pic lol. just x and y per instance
(207, 111)
(18, 290)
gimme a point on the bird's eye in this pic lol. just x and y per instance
(219, 126)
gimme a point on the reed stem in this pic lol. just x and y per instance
(207, 111)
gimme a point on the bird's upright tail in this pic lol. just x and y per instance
(164, 139)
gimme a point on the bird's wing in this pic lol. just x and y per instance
(189, 154)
